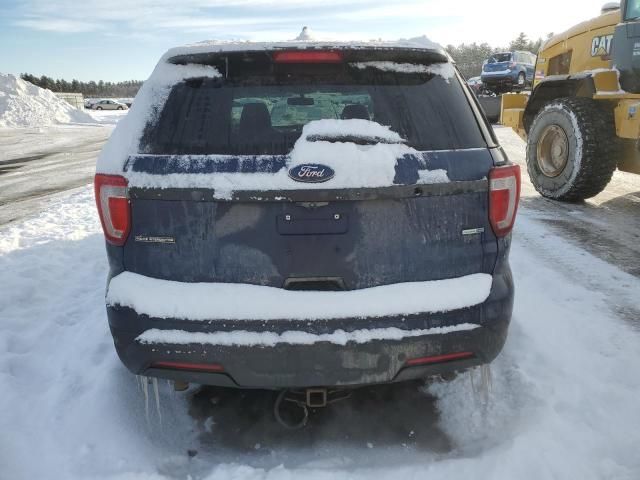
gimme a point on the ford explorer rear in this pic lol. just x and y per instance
(306, 215)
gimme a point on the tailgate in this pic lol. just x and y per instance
(316, 239)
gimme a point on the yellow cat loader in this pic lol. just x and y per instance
(581, 121)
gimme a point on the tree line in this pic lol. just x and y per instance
(124, 89)
(470, 57)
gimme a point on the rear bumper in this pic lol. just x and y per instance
(510, 78)
(321, 364)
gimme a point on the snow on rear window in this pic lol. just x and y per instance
(355, 166)
(445, 70)
(147, 104)
(351, 128)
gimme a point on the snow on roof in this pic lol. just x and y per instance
(23, 104)
(215, 46)
(445, 70)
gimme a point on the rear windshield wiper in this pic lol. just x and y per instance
(357, 139)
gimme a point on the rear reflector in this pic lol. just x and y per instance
(295, 56)
(113, 207)
(194, 367)
(504, 195)
(439, 358)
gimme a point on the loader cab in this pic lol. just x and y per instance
(626, 46)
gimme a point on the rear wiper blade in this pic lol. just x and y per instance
(357, 139)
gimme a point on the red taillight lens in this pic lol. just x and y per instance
(195, 367)
(113, 207)
(504, 195)
(447, 357)
(295, 56)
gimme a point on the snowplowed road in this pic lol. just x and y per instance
(607, 225)
(564, 402)
(37, 163)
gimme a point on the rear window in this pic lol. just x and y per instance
(500, 57)
(265, 114)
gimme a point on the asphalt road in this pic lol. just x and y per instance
(36, 164)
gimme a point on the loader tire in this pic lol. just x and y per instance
(572, 149)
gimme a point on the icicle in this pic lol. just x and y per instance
(481, 387)
(155, 391)
(145, 389)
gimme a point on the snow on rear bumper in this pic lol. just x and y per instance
(227, 301)
(287, 353)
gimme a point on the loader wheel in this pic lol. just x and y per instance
(572, 149)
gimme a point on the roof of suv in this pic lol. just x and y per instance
(217, 46)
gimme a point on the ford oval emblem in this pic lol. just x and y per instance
(311, 173)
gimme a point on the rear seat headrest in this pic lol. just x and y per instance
(355, 111)
(255, 118)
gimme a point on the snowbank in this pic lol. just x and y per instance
(292, 337)
(208, 301)
(23, 104)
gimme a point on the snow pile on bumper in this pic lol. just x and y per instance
(207, 301)
(243, 338)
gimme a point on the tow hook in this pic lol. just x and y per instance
(291, 408)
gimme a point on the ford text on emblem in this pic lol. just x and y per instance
(311, 173)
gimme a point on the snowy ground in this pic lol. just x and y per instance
(564, 402)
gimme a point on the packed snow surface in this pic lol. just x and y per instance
(23, 104)
(206, 301)
(292, 337)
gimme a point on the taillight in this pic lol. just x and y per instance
(447, 357)
(303, 56)
(195, 367)
(113, 207)
(504, 195)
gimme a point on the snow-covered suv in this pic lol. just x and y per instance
(306, 215)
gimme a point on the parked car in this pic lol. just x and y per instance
(475, 83)
(315, 216)
(109, 105)
(505, 72)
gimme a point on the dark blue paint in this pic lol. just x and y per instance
(167, 164)
(461, 165)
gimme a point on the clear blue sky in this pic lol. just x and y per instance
(123, 39)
